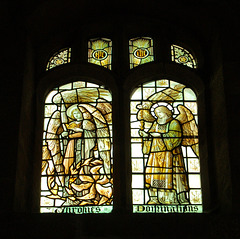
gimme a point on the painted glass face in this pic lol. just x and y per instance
(77, 150)
(165, 149)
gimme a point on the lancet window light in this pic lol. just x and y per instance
(165, 149)
(77, 150)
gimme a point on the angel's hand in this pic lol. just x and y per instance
(143, 133)
(64, 134)
(154, 134)
(78, 130)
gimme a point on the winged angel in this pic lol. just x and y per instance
(77, 148)
(165, 172)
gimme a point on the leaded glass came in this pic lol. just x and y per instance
(182, 56)
(100, 52)
(165, 149)
(61, 57)
(77, 150)
(140, 51)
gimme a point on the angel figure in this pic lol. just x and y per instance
(165, 173)
(81, 135)
(77, 153)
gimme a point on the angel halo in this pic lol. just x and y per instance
(71, 110)
(156, 105)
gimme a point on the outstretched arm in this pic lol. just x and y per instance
(173, 137)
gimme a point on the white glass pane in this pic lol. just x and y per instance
(148, 92)
(46, 201)
(189, 94)
(137, 196)
(91, 85)
(190, 152)
(194, 181)
(137, 150)
(137, 181)
(50, 96)
(193, 165)
(135, 124)
(137, 165)
(134, 106)
(137, 95)
(162, 83)
(191, 106)
(195, 196)
(49, 109)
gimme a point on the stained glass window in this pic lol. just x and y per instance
(100, 52)
(140, 51)
(182, 56)
(61, 57)
(77, 150)
(164, 149)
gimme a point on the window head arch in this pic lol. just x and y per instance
(164, 149)
(59, 58)
(77, 150)
(182, 56)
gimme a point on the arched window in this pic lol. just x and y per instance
(59, 58)
(77, 150)
(77, 143)
(165, 149)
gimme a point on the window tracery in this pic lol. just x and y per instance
(61, 57)
(100, 52)
(79, 180)
(140, 51)
(182, 56)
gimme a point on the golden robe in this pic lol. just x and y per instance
(165, 166)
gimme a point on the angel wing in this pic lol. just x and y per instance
(189, 127)
(102, 132)
(52, 152)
